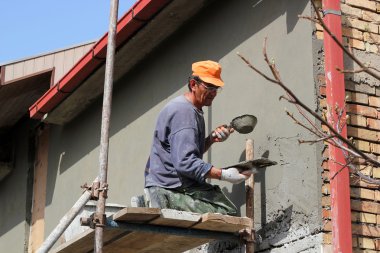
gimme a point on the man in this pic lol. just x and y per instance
(175, 173)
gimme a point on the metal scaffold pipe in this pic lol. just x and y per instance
(104, 136)
(64, 223)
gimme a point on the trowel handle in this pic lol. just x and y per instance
(213, 134)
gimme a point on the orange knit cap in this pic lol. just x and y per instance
(208, 71)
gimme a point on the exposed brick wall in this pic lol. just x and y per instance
(360, 26)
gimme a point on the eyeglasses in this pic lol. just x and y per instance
(210, 88)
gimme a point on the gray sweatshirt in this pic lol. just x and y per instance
(178, 146)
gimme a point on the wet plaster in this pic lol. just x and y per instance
(369, 59)
(292, 212)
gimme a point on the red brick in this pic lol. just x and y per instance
(366, 229)
(362, 145)
(360, 98)
(363, 217)
(327, 226)
(325, 176)
(325, 129)
(327, 238)
(354, 241)
(377, 195)
(371, 16)
(362, 133)
(326, 201)
(357, 120)
(359, 160)
(371, 37)
(359, 183)
(360, 25)
(348, 96)
(366, 170)
(365, 206)
(352, 11)
(325, 153)
(326, 189)
(377, 244)
(322, 103)
(352, 33)
(319, 35)
(362, 4)
(358, 44)
(362, 110)
(373, 123)
(374, 101)
(366, 243)
(376, 172)
(318, 27)
(326, 214)
(325, 165)
(375, 148)
(362, 193)
(322, 90)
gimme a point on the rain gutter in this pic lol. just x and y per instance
(138, 16)
(335, 93)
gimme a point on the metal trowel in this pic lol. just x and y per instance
(243, 124)
(253, 165)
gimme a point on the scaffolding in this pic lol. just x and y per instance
(138, 229)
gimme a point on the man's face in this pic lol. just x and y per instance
(204, 94)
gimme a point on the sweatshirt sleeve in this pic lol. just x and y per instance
(186, 155)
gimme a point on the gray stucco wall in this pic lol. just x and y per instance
(13, 195)
(286, 195)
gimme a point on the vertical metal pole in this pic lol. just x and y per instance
(106, 114)
(335, 98)
(249, 193)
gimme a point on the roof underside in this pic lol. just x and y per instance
(24, 81)
(62, 108)
(18, 95)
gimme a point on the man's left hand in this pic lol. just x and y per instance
(221, 133)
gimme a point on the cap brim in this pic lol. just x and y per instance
(212, 80)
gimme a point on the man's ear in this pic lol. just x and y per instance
(192, 84)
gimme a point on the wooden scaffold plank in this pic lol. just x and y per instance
(148, 230)
(225, 223)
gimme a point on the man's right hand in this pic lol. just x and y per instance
(221, 133)
(233, 175)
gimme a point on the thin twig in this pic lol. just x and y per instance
(303, 125)
(309, 18)
(341, 169)
(350, 71)
(339, 43)
(317, 140)
(299, 102)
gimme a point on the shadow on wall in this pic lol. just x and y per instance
(16, 200)
(212, 34)
(238, 190)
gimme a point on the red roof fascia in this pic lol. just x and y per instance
(141, 13)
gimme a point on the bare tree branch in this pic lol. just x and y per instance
(319, 133)
(333, 135)
(306, 108)
(317, 140)
(337, 41)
